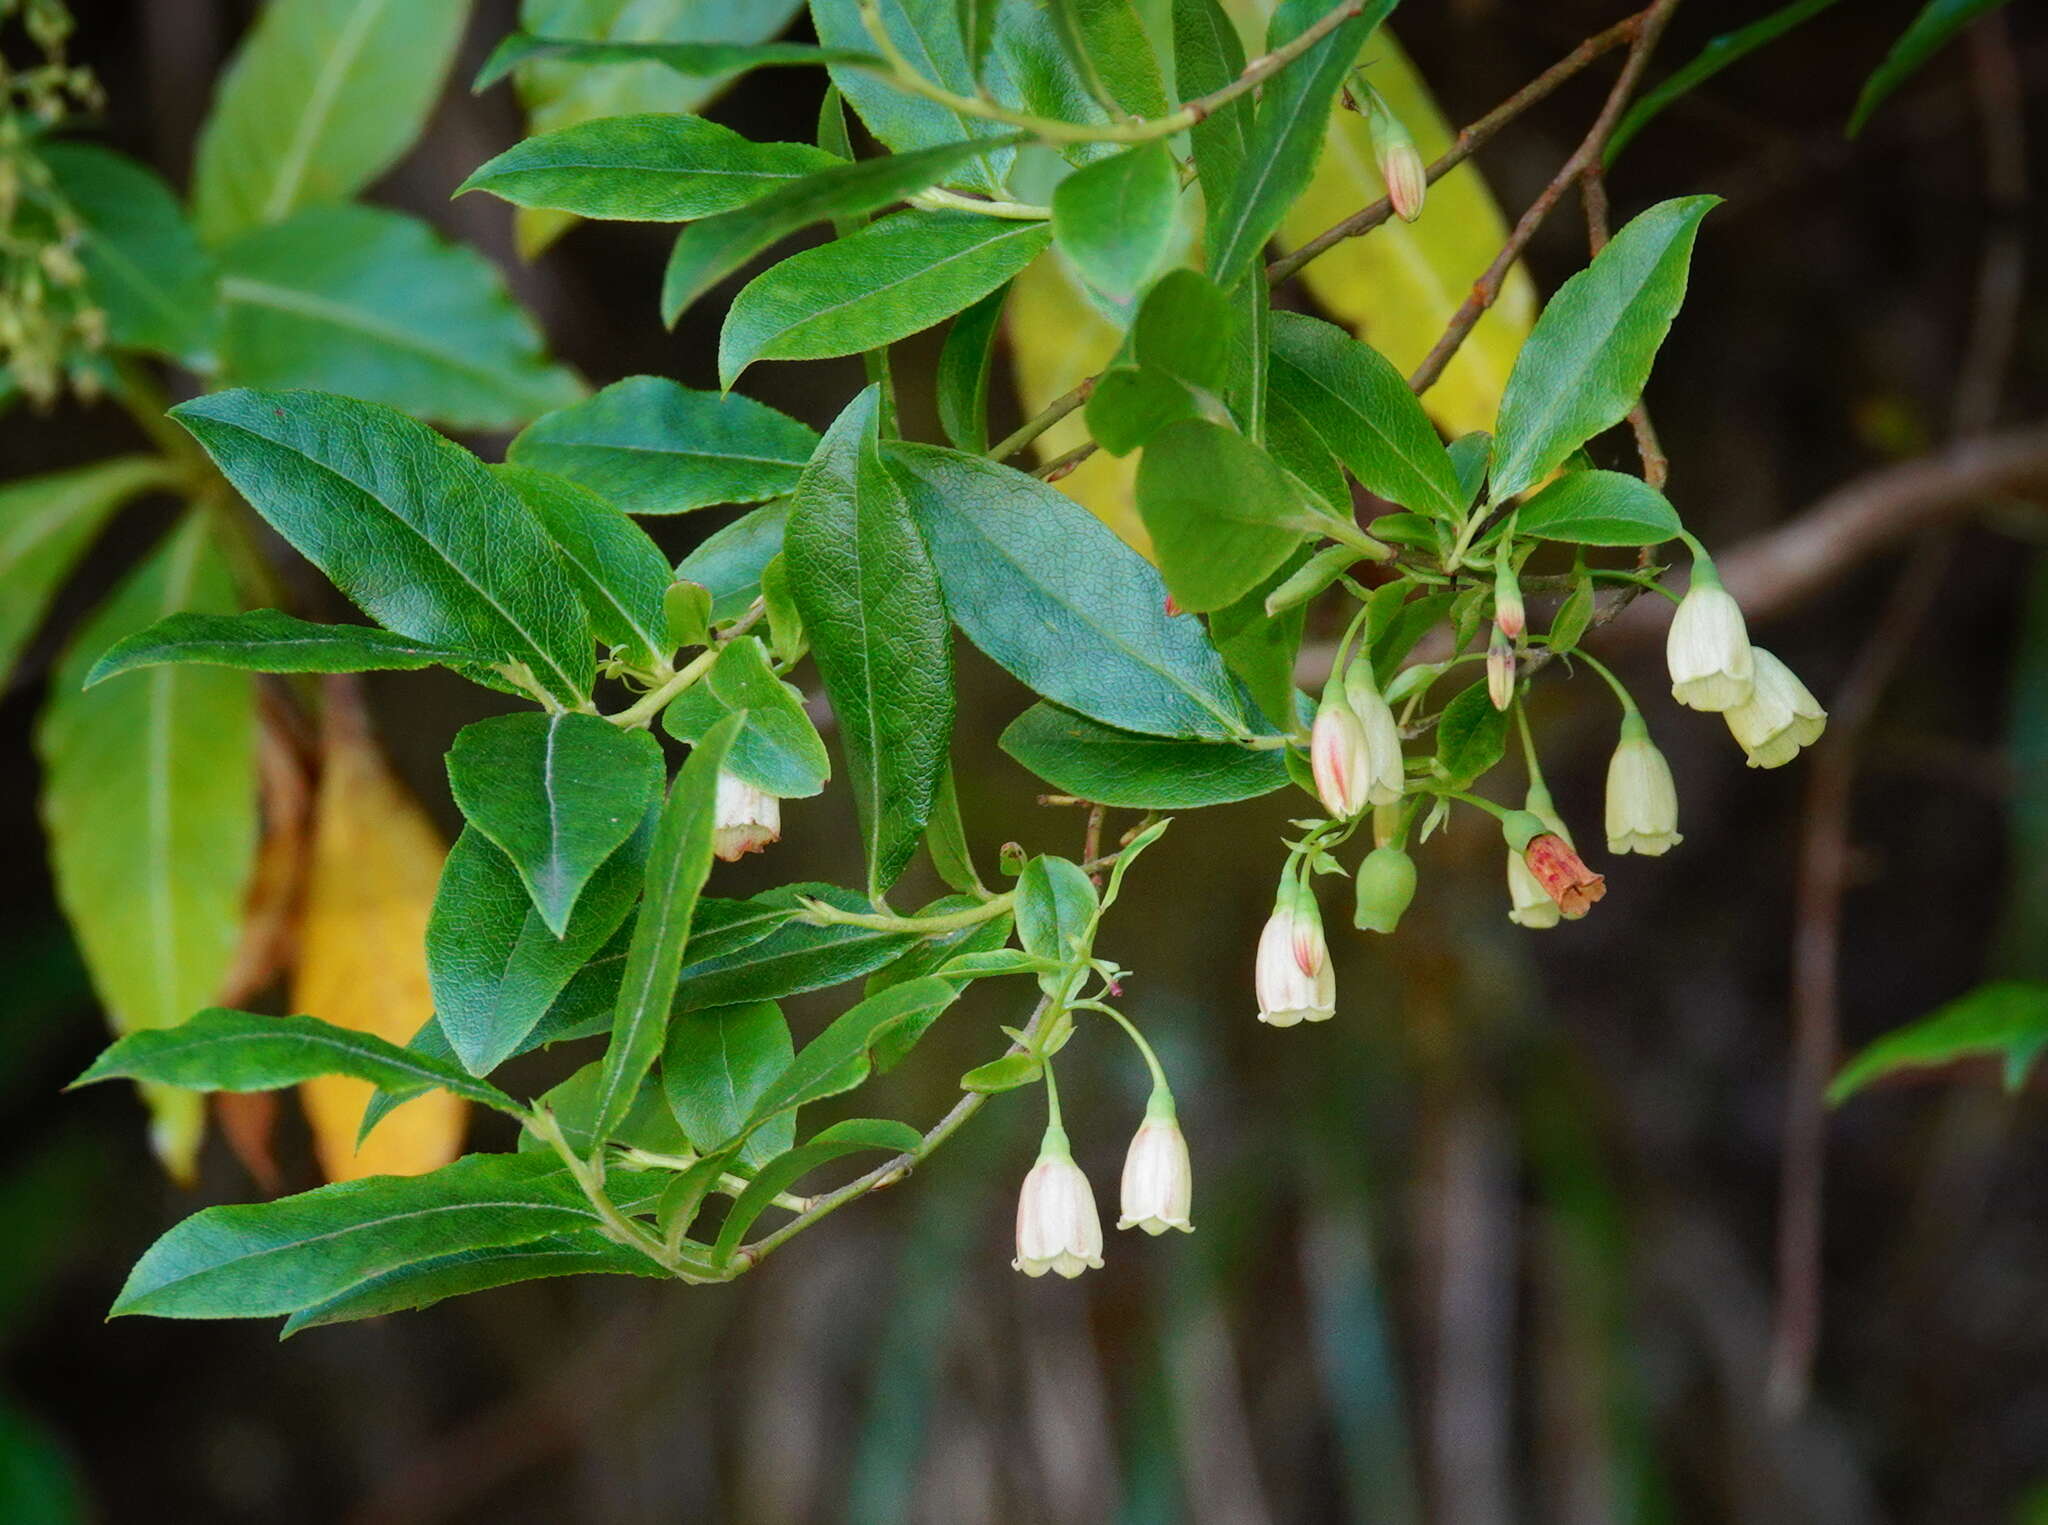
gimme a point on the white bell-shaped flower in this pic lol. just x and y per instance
(1707, 648)
(1642, 800)
(1780, 717)
(1057, 1226)
(1159, 1179)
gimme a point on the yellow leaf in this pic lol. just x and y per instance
(1397, 287)
(1058, 338)
(362, 953)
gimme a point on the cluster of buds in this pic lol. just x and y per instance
(744, 818)
(1715, 668)
(1295, 980)
(1058, 1228)
(1354, 747)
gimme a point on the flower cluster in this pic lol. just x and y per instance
(1057, 1225)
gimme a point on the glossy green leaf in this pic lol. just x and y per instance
(707, 252)
(46, 525)
(2006, 1020)
(322, 97)
(1261, 648)
(1599, 508)
(1718, 54)
(1208, 55)
(621, 573)
(791, 958)
(718, 1063)
(1930, 32)
(1116, 218)
(666, 168)
(692, 60)
(868, 1038)
(1286, 133)
(149, 801)
(1298, 447)
(143, 263)
(962, 378)
(778, 750)
(575, 1101)
(927, 35)
(1128, 405)
(1051, 594)
(558, 793)
(263, 640)
(1222, 515)
(1472, 735)
(222, 1050)
(1362, 408)
(411, 526)
(277, 1257)
(377, 305)
(650, 446)
(1004, 1074)
(1055, 904)
(977, 22)
(731, 561)
(854, 1136)
(678, 863)
(1107, 42)
(1121, 768)
(1573, 617)
(1585, 362)
(871, 604)
(1187, 328)
(495, 967)
(882, 282)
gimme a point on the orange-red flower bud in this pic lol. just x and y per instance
(1563, 874)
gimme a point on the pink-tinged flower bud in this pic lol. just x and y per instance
(1642, 801)
(1294, 978)
(1159, 1179)
(1780, 717)
(1509, 612)
(1707, 648)
(1400, 166)
(1500, 669)
(1339, 756)
(1387, 775)
(1057, 1227)
(1563, 875)
(744, 819)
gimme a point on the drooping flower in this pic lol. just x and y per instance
(1563, 875)
(744, 819)
(1642, 800)
(1707, 648)
(1780, 718)
(1159, 1179)
(1057, 1226)
(1386, 769)
(1295, 980)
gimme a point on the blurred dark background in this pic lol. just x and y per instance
(1495, 1245)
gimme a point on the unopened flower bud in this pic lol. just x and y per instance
(1500, 669)
(1708, 648)
(1294, 979)
(1386, 886)
(1780, 717)
(1338, 756)
(1159, 1180)
(1387, 773)
(1642, 801)
(1057, 1226)
(1509, 613)
(1400, 166)
(744, 819)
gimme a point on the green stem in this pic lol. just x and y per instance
(1130, 1029)
(589, 1178)
(817, 913)
(651, 703)
(1066, 403)
(938, 199)
(1627, 701)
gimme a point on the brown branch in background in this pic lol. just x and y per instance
(1585, 156)
(1826, 848)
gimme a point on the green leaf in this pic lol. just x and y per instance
(574, 1103)
(945, 838)
(1004, 1074)
(1573, 617)
(263, 640)
(718, 1064)
(621, 573)
(2005, 1020)
(962, 379)
(871, 604)
(778, 750)
(408, 524)
(278, 1257)
(1598, 508)
(678, 863)
(1286, 134)
(1207, 55)
(854, 1136)
(1077, 756)
(1051, 594)
(1055, 906)
(1187, 328)
(1930, 32)
(883, 282)
(868, 1038)
(1363, 410)
(1585, 362)
(649, 446)
(1116, 218)
(977, 19)
(1128, 405)
(149, 801)
(1261, 648)
(46, 524)
(558, 793)
(1296, 445)
(1222, 515)
(1107, 43)
(692, 60)
(730, 563)
(1316, 574)
(1472, 735)
(791, 958)
(664, 168)
(322, 97)
(925, 32)
(222, 1050)
(377, 305)
(143, 262)
(495, 967)
(707, 252)
(423, 1283)
(1718, 54)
